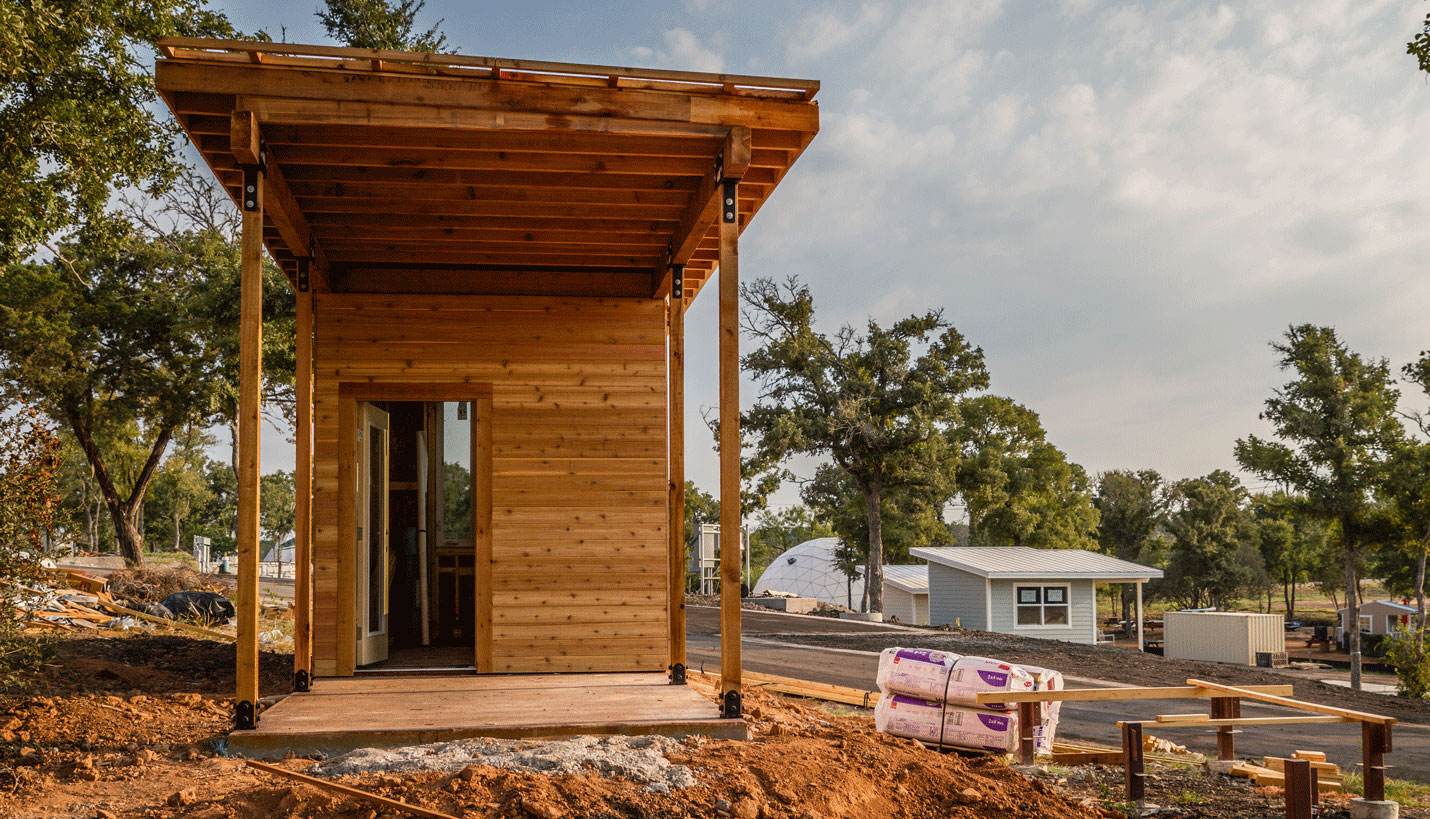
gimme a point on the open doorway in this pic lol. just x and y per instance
(415, 521)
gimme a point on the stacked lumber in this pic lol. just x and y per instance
(1273, 771)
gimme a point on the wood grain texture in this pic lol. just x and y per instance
(250, 375)
(729, 308)
(303, 489)
(577, 477)
(676, 489)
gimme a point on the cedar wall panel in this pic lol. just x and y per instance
(579, 463)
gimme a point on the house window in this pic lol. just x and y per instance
(1366, 621)
(1042, 605)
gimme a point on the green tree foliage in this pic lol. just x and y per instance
(1294, 548)
(864, 400)
(1132, 510)
(276, 505)
(1214, 554)
(29, 460)
(1019, 489)
(106, 337)
(1407, 488)
(700, 507)
(180, 487)
(1336, 424)
(75, 109)
(381, 24)
(1405, 651)
(1419, 46)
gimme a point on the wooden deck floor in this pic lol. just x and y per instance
(362, 712)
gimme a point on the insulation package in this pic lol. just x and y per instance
(946, 677)
(937, 723)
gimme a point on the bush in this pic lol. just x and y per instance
(1406, 652)
(29, 458)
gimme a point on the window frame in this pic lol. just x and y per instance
(1042, 605)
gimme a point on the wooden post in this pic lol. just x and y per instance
(1141, 643)
(1132, 755)
(676, 523)
(1027, 718)
(250, 346)
(303, 489)
(482, 445)
(729, 452)
(1300, 785)
(1226, 708)
(1375, 743)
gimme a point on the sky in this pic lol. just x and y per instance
(1122, 204)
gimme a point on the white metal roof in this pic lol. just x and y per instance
(912, 577)
(1383, 604)
(1025, 562)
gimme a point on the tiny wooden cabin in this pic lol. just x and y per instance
(492, 260)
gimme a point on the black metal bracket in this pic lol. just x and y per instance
(677, 674)
(300, 680)
(677, 281)
(250, 187)
(731, 705)
(303, 263)
(727, 199)
(244, 716)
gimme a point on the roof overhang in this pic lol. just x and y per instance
(392, 171)
(934, 555)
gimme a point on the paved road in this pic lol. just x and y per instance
(1088, 721)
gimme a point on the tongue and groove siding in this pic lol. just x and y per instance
(579, 481)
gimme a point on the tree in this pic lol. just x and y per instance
(864, 400)
(29, 459)
(776, 532)
(105, 337)
(1131, 507)
(380, 24)
(75, 109)
(1407, 487)
(1214, 556)
(1336, 421)
(1419, 46)
(276, 510)
(1293, 546)
(700, 508)
(179, 487)
(1019, 489)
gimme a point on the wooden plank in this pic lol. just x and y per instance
(1173, 722)
(303, 489)
(250, 388)
(482, 452)
(552, 142)
(432, 158)
(675, 524)
(346, 546)
(1252, 694)
(246, 146)
(457, 281)
(244, 139)
(555, 68)
(1129, 693)
(323, 784)
(729, 351)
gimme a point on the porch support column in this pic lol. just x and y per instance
(250, 155)
(676, 524)
(303, 488)
(729, 450)
(1141, 643)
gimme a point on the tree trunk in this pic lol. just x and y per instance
(1420, 592)
(178, 532)
(1353, 617)
(128, 540)
(874, 575)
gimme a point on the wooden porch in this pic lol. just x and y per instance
(340, 714)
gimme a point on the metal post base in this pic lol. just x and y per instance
(731, 706)
(301, 681)
(245, 717)
(677, 674)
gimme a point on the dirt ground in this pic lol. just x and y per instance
(1131, 666)
(122, 727)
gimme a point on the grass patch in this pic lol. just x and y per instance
(1408, 794)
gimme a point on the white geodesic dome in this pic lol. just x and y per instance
(809, 570)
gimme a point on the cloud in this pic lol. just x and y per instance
(685, 51)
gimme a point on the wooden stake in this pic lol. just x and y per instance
(1224, 708)
(395, 804)
(303, 496)
(729, 454)
(1132, 753)
(1027, 716)
(676, 523)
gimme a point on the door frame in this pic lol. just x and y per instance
(350, 394)
(372, 643)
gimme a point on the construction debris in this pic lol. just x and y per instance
(70, 600)
(1273, 772)
(395, 804)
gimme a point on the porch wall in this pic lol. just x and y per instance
(579, 490)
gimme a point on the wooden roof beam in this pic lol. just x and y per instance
(704, 208)
(246, 144)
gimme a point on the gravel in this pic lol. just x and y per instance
(639, 759)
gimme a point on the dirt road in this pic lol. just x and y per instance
(1089, 721)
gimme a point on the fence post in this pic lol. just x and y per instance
(1299, 784)
(1132, 753)
(1026, 720)
(1226, 708)
(1375, 742)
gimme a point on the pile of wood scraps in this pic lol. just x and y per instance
(74, 601)
(1273, 771)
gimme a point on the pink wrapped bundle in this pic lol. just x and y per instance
(915, 672)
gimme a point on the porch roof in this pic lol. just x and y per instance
(420, 173)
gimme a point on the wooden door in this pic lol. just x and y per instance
(372, 535)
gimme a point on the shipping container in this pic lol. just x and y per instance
(1222, 636)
